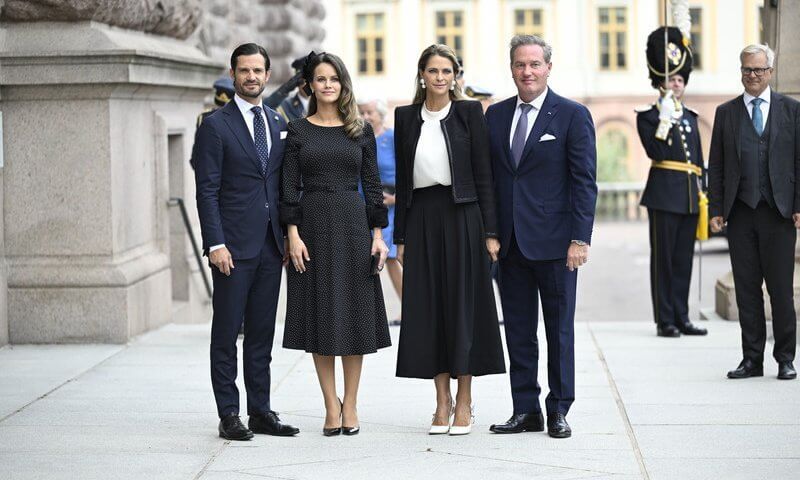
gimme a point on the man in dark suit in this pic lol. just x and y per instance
(668, 131)
(754, 170)
(544, 161)
(238, 154)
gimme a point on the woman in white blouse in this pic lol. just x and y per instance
(446, 236)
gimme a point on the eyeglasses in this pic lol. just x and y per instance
(758, 71)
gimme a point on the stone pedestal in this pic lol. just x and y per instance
(94, 119)
(3, 299)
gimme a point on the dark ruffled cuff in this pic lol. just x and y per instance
(377, 216)
(291, 213)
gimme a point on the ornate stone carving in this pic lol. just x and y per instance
(172, 18)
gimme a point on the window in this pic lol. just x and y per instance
(696, 15)
(370, 43)
(528, 22)
(450, 31)
(613, 38)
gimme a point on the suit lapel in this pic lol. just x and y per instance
(275, 135)
(543, 119)
(235, 121)
(507, 117)
(775, 118)
(739, 110)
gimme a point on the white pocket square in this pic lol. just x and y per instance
(283, 134)
(547, 137)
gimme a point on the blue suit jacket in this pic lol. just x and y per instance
(234, 201)
(549, 199)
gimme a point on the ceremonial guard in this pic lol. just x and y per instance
(668, 131)
(223, 93)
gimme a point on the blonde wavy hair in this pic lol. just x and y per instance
(442, 51)
(346, 105)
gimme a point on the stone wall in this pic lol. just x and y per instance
(286, 28)
(3, 288)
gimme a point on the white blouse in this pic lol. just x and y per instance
(431, 162)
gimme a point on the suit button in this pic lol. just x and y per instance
(266, 205)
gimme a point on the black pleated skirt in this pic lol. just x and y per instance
(449, 319)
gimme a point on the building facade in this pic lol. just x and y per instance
(598, 54)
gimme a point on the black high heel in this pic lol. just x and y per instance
(332, 432)
(350, 431)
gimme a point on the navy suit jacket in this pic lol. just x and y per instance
(549, 199)
(235, 202)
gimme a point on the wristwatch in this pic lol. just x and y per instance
(580, 243)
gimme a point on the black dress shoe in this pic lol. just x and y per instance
(746, 369)
(521, 422)
(786, 371)
(668, 331)
(231, 428)
(689, 328)
(557, 426)
(270, 424)
(350, 430)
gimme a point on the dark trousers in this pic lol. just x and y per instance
(762, 245)
(249, 295)
(522, 282)
(671, 253)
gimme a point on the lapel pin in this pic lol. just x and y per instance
(548, 113)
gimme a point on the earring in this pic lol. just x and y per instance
(453, 85)
(422, 83)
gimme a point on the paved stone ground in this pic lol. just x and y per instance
(647, 408)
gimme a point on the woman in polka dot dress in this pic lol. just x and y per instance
(335, 305)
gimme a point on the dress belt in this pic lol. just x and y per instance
(679, 166)
(330, 188)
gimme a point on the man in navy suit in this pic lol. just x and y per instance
(544, 159)
(238, 154)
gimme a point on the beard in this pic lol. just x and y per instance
(244, 93)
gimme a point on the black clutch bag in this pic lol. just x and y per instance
(374, 262)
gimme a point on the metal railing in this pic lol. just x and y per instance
(177, 201)
(619, 201)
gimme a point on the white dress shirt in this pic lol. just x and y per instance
(765, 95)
(536, 103)
(431, 162)
(245, 107)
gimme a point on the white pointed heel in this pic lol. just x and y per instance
(442, 429)
(463, 429)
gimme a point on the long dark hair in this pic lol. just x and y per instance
(442, 51)
(346, 105)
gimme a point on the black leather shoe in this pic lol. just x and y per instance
(521, 422)
(331, 432)
(231, 428)
(270, 424)
(747, 369)
(668, 331)
(786, 371)
(557, 426)
(350, 430)
(689, 328)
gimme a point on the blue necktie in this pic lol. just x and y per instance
(758, 119)
(260, 137)
(518, 141)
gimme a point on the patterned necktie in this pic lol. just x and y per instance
(260, 137)
(518, 142)
(758, 119)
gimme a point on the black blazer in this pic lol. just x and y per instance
(724, 160)
(467, 141)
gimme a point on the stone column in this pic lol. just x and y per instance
(91, 116)
(3, 291)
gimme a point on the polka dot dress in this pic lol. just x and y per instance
(335, 307)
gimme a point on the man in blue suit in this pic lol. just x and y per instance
(238, 154)
(544, 159)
